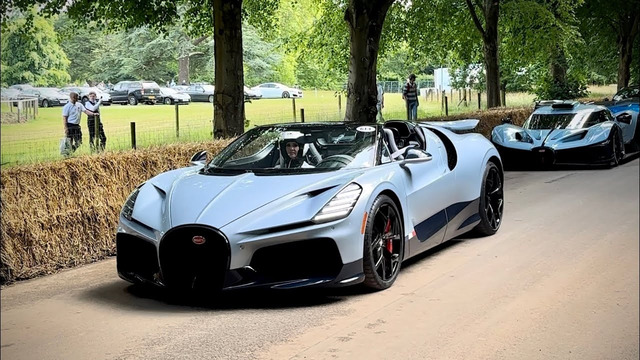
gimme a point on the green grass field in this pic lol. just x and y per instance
(38, 140)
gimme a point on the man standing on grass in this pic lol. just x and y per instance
(71, 120)
(94, 106)
(410, 96)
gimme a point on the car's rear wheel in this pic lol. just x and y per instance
(383, 244)
(491, 201)
(133, 100)
(45, 103)
(167, 101)
(211, 98)
(285, 94)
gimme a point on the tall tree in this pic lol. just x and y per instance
(365, 19)
(489, 11)
(31, 54)
(613, 22)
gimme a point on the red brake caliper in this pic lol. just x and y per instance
(387, 228)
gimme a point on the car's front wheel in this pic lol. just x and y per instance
(133, 100)
(167, 101)
(285, 94)
(617, 148)
(491, 201)
(45, 103)
(383, 244)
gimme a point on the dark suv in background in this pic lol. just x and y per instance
(134, 92)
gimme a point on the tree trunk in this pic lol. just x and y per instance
(183, 70)
(558, 66)
(228, 102)
(365, 19)
(626, 39)
(491, 12)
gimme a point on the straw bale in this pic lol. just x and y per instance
(490, 118)
(62, 214)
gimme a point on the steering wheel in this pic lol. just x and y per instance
(335, 161)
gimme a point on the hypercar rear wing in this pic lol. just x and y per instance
(456, 125)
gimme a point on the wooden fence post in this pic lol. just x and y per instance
(479, 97)
(294, 108)
(177, 122)
(302, 114)
(133, 135)
(339, 103)
(446, 106)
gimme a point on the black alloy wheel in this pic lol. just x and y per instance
(383, 244)
(45, 104)
(285, 94)
(491, 201)
(617, 148)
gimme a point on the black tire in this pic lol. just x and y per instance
(45, 104)
(383, 244)
(285, 95)
(211, 98)
(168, 101)
(133, 100)
(491, 201)
(617, 147)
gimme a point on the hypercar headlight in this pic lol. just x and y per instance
(340, 205)
(127, 209)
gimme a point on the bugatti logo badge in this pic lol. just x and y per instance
(198, 240)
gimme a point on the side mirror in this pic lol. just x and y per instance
(414, 155)
(507, 120)
(624, 118)
(199, 158)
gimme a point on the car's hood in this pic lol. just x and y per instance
(191, 197)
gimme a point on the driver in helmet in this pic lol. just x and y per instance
(291, 148)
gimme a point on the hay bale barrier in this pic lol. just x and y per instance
(63, 214)
(490, 118)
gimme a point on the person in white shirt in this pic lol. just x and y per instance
(94, 106)
(71, 113)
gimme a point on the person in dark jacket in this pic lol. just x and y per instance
(94, 106)
(410, 96)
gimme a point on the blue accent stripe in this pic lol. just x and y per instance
(431, 226)
(455, 209)
(473, 218)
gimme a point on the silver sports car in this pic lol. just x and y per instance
(324, 204)
(570, 133)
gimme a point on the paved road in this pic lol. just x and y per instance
(559, 281)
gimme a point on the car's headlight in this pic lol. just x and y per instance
(127, 209)
(340, 205)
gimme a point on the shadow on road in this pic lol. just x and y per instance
(145, 298)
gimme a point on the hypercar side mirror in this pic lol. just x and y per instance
(199, 158)
(624, 118)
(415, 155)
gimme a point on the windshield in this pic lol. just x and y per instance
(554, 121)
(208, 87)
(298, 149)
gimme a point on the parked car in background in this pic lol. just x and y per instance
(21, 86)
(170, 96)
(251, 95)
(83, 93)
(134, 92)
(276, 90)
(569, 133)
(628, 93)
(9, 93)
(200, 92)
(46, 96)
